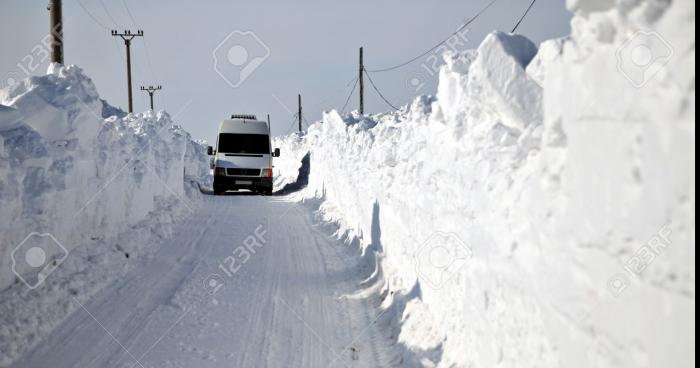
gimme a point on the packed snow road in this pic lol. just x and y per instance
(245, 281)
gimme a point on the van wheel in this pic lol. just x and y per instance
(268, 192)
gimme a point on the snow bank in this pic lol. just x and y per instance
(540, 211)
(286, 167)
(100, 184)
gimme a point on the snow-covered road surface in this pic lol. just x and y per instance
(291, 302)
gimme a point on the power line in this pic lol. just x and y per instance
(131, 16)
(148, 60)
(291, 126)
(379, 93)
(523, 17)
(306, 121)
(145, 43)
(515, 28)
(91, 15)
(118, 26)
(109, 15)
(97, 21)
(460, 29)
(336, 94)
(354, 87)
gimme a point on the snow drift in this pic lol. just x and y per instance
(540, 210)
(99, 181)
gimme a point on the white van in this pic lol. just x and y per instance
(243, 156)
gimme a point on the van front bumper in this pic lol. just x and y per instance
(224, 183)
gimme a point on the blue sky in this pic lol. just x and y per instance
(267, 51)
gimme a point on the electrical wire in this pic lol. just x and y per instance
(524, 15)
(118, 26)
(305, 121)
(131, 16)
(379, 93)
(354, 80)
(145, 43)
(291, 126)
(460, 29)
(336, 94)
(515, 28)
(109, 15)
(357, 80)
(94, 19)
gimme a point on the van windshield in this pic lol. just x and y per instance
(255, 144)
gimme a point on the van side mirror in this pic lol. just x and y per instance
(210, 151)
(277, 153)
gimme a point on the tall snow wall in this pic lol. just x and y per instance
(540, 210)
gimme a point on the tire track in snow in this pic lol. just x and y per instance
(122, 307)
(282, 309)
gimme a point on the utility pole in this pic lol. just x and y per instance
(299, 113)
(127, 36)
(56, 19)
(151, 91)
(362, 80)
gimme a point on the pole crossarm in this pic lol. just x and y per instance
(151, 91)
(127, 35)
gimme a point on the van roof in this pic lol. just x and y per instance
(241, 126)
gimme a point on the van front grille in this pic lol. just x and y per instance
(243, 172)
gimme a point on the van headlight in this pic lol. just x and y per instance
(267, 173)
(219, 171)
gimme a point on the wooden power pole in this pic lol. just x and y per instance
(151, 91)
(299, 113)
(127, 36)
(56, 18)
(362, 80)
